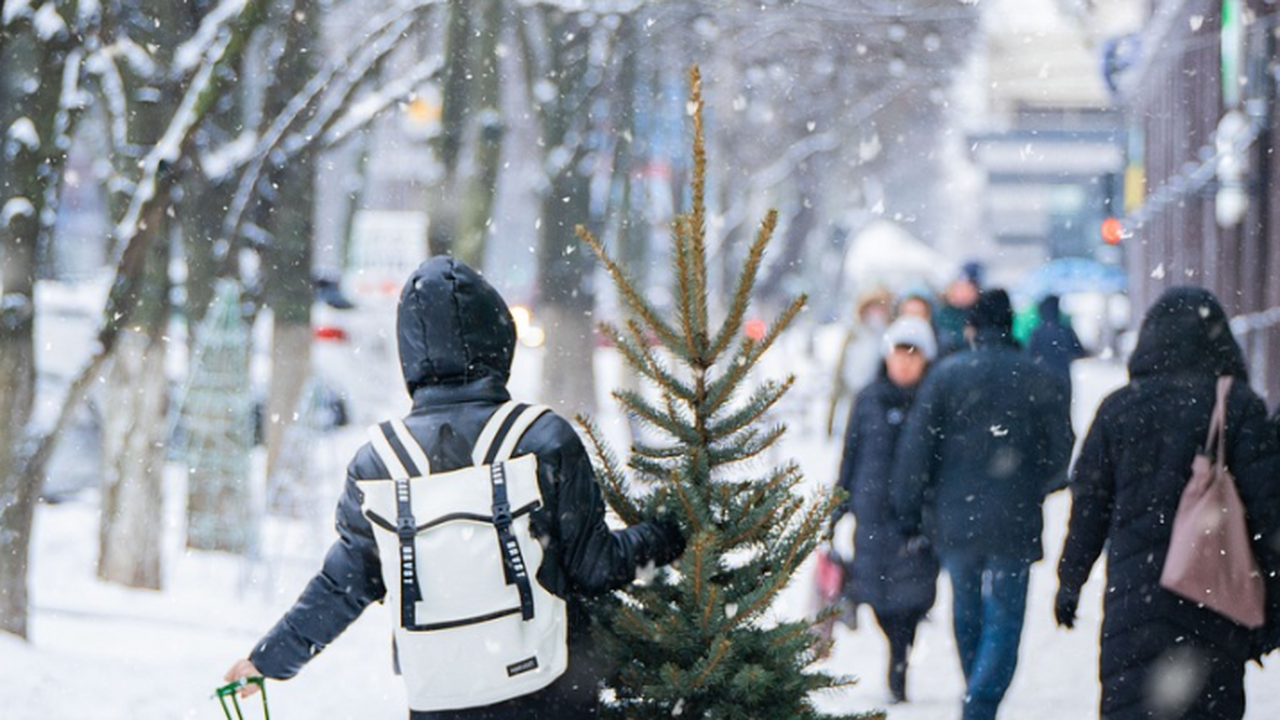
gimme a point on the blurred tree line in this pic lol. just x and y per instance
(217, 118)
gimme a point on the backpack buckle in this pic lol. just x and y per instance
(502, 515)
(405, 528)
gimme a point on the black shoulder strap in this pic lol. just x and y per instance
(412, 460)
(512, 425)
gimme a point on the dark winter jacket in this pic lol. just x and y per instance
(1125, 488)
(1054, 344)
(456, 342)
(987, 437)
(885, 573)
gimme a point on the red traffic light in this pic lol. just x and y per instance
(1112, 231)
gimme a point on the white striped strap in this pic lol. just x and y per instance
(398, 450)
(503, 430)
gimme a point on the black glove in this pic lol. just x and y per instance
(1064, 607)
(670, 541)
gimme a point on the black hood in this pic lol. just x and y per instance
(1186, 331)
(452, 327)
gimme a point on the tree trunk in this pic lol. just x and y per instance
(30, 166)
(290, 289)
(443, 211)
(133, 432)
(17, 395)
(290, 368)
(482, 184)
(567, 299)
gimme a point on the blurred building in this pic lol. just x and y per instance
(1197, 81)
(1045, 137)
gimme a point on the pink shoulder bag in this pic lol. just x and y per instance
(1210, 560)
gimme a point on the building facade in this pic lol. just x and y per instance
(1198, 85)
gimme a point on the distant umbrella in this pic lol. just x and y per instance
(1072, 275)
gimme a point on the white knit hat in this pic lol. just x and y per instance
(913, 331)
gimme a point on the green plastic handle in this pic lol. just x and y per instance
(231, 690)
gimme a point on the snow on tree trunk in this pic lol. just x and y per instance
(131, 521)
(17, 390)
(290, 368)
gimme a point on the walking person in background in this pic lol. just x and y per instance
(894, 574)
(1163, 656)
(859, 352)
(1054, 344)
(457, 341)
(949, 320)
(988, 435)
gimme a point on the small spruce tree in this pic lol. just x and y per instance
(698, 640)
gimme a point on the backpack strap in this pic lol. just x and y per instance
(492, 428)
(494, 447)
(404, 459)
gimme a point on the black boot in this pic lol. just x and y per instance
(898, 682)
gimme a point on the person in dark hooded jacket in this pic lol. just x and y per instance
(1054, 344)
(898, 578)
(986, 440)
(457, 341)
(1163, 656)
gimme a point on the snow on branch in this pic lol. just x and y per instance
(324, 98)
(368, 108)
(167, 150)
(190, 53)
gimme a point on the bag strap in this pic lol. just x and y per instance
(404, 459)
(508, 424)
(1215, 443)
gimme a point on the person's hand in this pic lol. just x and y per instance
(1064, 608)
(672, 543)
(241, 670)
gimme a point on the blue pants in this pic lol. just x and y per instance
(990, 602)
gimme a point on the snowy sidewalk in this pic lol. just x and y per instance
(109, 653)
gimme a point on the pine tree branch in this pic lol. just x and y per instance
(686, 284)
(627, 289)
(761, 401)
(613, 480)
(643, 410)
(782, 323)
(657, 370)
(698, 221)
(746, 283)
(748, 447)
(711, 663)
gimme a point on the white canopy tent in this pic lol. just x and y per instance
(884, 255)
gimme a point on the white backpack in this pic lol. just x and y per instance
(472, 624)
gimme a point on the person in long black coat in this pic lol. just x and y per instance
(1162, 656)
(987, 438)
(894, 575)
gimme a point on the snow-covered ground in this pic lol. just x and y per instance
(109, 653)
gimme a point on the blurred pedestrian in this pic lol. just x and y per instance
(894, 575)
(949, 320)
(916, 302)
(1163, 656)
(987, 437)
(1054, 344)
(859, 352)
(457, 342)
